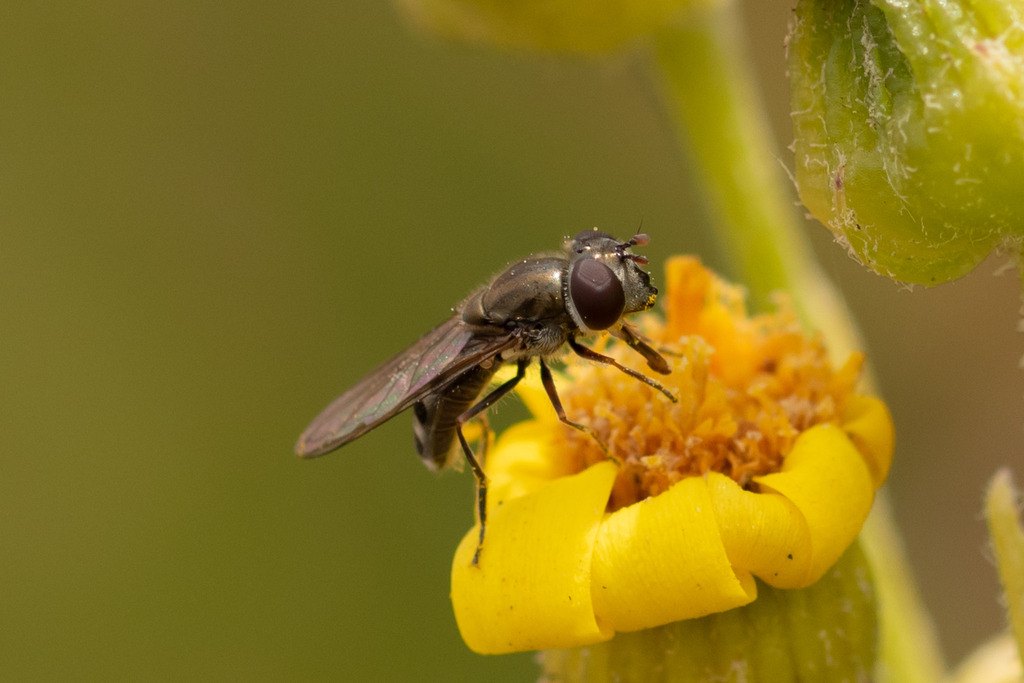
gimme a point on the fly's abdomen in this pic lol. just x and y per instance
(435, 417)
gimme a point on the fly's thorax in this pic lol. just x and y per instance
(544, 339)
(472, 309)
(528, 291)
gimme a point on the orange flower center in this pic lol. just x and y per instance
(746, 388)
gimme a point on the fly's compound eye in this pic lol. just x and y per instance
(596, 294)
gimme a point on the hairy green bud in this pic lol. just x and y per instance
(909, 124)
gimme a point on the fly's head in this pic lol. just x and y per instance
(605, 281)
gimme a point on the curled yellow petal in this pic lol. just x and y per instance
(531, 589)
(826, 477)
(867, 422)
(763, 533)
(662, 560)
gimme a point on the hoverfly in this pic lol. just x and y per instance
(530, 310)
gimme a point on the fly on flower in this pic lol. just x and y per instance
(530, 310)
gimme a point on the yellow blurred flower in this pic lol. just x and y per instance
(573, 26)
(766, 467)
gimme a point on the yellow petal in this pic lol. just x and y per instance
(531, 589)
(763, 533)
(523, 461)
(826, 478)
(867, 422)
(662, 560)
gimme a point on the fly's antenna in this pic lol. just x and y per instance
(640, 239)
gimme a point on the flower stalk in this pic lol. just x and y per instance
(710, 93)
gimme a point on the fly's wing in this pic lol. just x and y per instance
(428, 365)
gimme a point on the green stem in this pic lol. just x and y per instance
(910, 647)
(711, 95)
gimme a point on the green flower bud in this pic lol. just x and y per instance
(587, 26)
(909, 124)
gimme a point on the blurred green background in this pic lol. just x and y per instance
(215, 217)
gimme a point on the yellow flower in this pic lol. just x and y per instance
(573, 26)
(766, 467)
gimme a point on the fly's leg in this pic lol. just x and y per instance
(474, 464)
(590, 354)
(549, 387)
(483, 444)
(655, 361)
